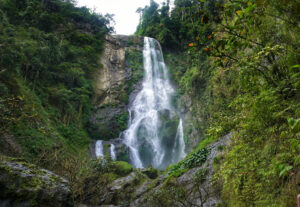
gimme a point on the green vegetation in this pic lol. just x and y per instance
(122, 168)
(49, 52)
(24, 182)
(108, 129)
(106, 165)
(239, 61)
(194, 159)
(135, 60)
(47, 61)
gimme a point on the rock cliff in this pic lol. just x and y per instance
(114, 83)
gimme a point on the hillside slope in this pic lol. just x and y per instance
(239, 62)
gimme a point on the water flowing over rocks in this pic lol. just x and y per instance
(120, 149)
(138, 187)
(155, 133)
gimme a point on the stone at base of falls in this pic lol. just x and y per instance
(150, 172)
(24, 184)
(123, 191)
(120, 189)
(206, 193)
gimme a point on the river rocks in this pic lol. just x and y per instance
(23, 184)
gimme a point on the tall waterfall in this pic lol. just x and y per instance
(155, 133)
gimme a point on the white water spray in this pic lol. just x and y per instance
(99, 148)
(113, 152)
(155, 133)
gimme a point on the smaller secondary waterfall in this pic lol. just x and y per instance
(113, 152)
(99, 148)
(99, 151)
(155, 132)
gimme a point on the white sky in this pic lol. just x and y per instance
(126, 18)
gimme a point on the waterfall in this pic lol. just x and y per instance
(113, 152)
(155, 133)
(99, 148)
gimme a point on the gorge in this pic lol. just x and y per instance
(89, 118)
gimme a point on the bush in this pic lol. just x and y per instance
(122, 168)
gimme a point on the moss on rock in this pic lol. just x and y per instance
(22, 182)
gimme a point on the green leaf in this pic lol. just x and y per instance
(296, 126)
(285, 170)
(295, 66)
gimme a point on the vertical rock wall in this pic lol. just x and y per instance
(115, 84)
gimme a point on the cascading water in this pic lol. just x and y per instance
(99, 148)
(113, 152)
(155, 133)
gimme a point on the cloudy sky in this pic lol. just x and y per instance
(125, 17)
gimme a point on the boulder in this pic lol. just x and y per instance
(23, 184)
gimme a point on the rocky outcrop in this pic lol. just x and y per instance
(196, 186)
(114, 83)
(151, 187)
(124, 190)
(23, 184)
(207, 194)
(110, 81)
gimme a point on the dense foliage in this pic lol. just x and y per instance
(240, 61)
(194, 159)
(48, 53)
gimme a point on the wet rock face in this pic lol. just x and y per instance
(192, 134)
(114, 83)
(23, 184)
(110, 80)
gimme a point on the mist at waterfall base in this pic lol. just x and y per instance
(155, 132)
